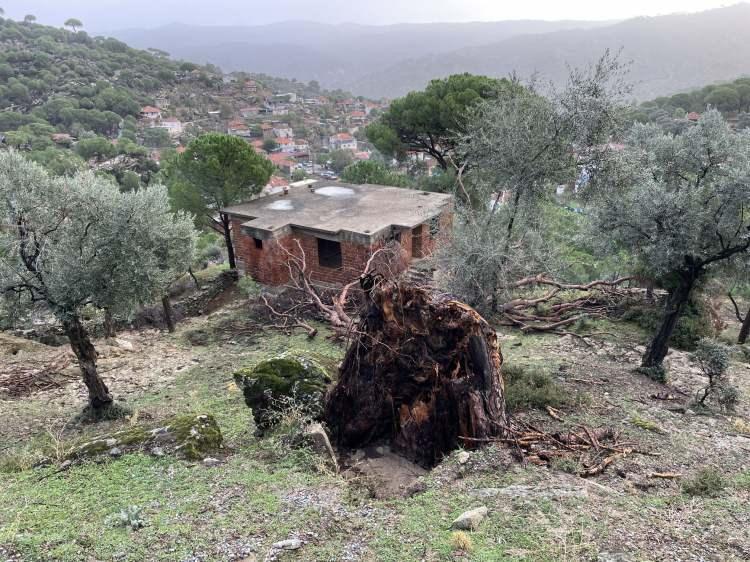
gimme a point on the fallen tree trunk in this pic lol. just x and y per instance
(422, 372)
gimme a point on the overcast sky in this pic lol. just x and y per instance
(101, 15)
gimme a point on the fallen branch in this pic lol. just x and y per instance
(543, 314)
(333, 309)
(290, 321)
(665, 475)
(28, 375)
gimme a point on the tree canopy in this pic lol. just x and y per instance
(216, 171)
(679, 204)
(73, 23)
(79, 241)
(375, 173)
(426, 121)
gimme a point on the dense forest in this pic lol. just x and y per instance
(58, 86)
(671, 112)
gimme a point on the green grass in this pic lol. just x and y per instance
(423, 532)
(645, 424)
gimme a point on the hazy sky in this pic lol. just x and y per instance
(99, 15)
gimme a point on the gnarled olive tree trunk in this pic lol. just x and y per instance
(422, 372)
(677, 299)
(99, 396)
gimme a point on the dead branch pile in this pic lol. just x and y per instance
(420, 372)
(334, 307)
(590, 450)
(26, 375)
(549, 312)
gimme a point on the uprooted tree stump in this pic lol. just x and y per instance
(423, 372)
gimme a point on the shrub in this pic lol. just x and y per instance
(528, 387)
(131, 517)
(707, 482)
(713, 360)
(249, 287)
(694, 324)
(461, 541)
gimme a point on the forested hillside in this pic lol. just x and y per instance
(672, 112)
(59, 85)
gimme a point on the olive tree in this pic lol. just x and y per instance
(69, 242)
(514, 149)
(679, 204)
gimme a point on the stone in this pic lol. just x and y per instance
(317, 438)
(211, 462)
(463, 457)
(289, 544)
(124, 344)
(289, 375)
(470, 520)
(191, 436)
(415, 489)
(157, 451)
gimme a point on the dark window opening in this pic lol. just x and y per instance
(329, 253)
(258, 243)
(434, 226)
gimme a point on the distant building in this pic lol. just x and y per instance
(238, 128)
(267, 131)
(250, 111)
(283, 131)
(172, 125)
(342, 141)
(150, 112)
(283, 162)
(287, 146)
(693, 116)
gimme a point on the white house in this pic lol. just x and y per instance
(283, 131)
(151, 112)
(287, 146)
(172, 125)
(342, 141)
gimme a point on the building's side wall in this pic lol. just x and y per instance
(269, 264)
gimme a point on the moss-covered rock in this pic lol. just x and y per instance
(195, 436)
(291, 375)
(190, 436)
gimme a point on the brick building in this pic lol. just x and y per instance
(338, 226)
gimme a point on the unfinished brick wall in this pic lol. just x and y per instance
(267, 265)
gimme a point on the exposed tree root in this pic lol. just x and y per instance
(420, 372)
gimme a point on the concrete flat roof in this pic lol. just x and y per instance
(346, 211)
